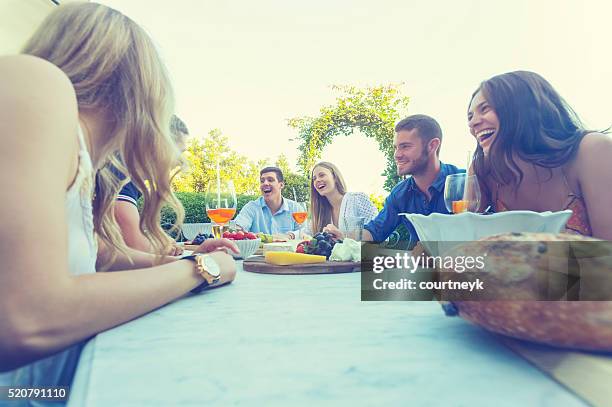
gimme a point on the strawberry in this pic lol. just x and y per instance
(250, 236)
(227, 234)
(239, 235)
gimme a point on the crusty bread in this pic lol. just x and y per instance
(519, 271)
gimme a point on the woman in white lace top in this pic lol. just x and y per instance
(332, 207)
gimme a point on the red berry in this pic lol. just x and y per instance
(250, 236)
(227, 234)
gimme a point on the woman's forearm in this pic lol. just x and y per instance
(78, 307)
(132, 259)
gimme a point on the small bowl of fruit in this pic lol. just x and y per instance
(247, 242)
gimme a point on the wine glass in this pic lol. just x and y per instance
(354, 227)
(461, 193)
(300, 213)
(220, 204)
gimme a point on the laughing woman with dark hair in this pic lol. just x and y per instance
(534, 154)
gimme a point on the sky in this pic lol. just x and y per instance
(246, 67)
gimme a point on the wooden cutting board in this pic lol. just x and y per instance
(257, 264)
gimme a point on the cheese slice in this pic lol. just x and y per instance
(287, 259)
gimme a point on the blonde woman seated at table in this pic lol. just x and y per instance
(331, 205)
(91, 86)
(534, 154)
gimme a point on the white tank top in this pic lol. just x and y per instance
(58, 370)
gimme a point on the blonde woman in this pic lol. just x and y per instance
(91, 86)
(331, 205)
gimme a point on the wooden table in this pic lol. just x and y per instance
(305, 340)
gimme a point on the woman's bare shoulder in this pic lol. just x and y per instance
(594, 140)
(594, 154)
(38, 118)
(36, 95)
(20, 67)
(594, 146)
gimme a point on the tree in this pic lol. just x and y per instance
(203, 156)
(283, 164)
(200, 169)
(298, 183)
(297, 186)
(373, 111)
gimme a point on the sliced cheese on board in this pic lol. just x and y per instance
(286, 258)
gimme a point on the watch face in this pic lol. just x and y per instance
(211, 266)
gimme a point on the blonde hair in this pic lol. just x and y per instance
(115, 68)
(321, 209)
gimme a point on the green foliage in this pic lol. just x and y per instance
(283, 164)
(378, 201)
(195, 207)
(202, 159)
(297, 183)
(373, 111)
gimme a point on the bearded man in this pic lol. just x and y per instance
(417, 144)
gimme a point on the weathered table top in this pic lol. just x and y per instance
(304, 340)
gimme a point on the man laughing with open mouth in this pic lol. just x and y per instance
(271, 213)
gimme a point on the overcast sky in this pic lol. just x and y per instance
(246, 67)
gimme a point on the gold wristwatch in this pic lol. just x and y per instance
(207, 267)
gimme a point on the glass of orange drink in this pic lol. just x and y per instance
(300, 213)
(220, 204)
(462, 193)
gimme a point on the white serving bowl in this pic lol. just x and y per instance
(247, 248)
(440, 233)
(191, 230)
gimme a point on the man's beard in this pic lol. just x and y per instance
(418, 166)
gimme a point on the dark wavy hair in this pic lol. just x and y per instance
(535, 125)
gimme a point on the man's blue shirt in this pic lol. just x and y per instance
(407, 197)
(256, 217)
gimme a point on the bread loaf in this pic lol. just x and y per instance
(522, 268)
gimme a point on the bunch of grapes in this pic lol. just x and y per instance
(201, 237)
(321, 244)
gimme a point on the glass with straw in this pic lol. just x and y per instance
(220, 203)
(300, 213)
